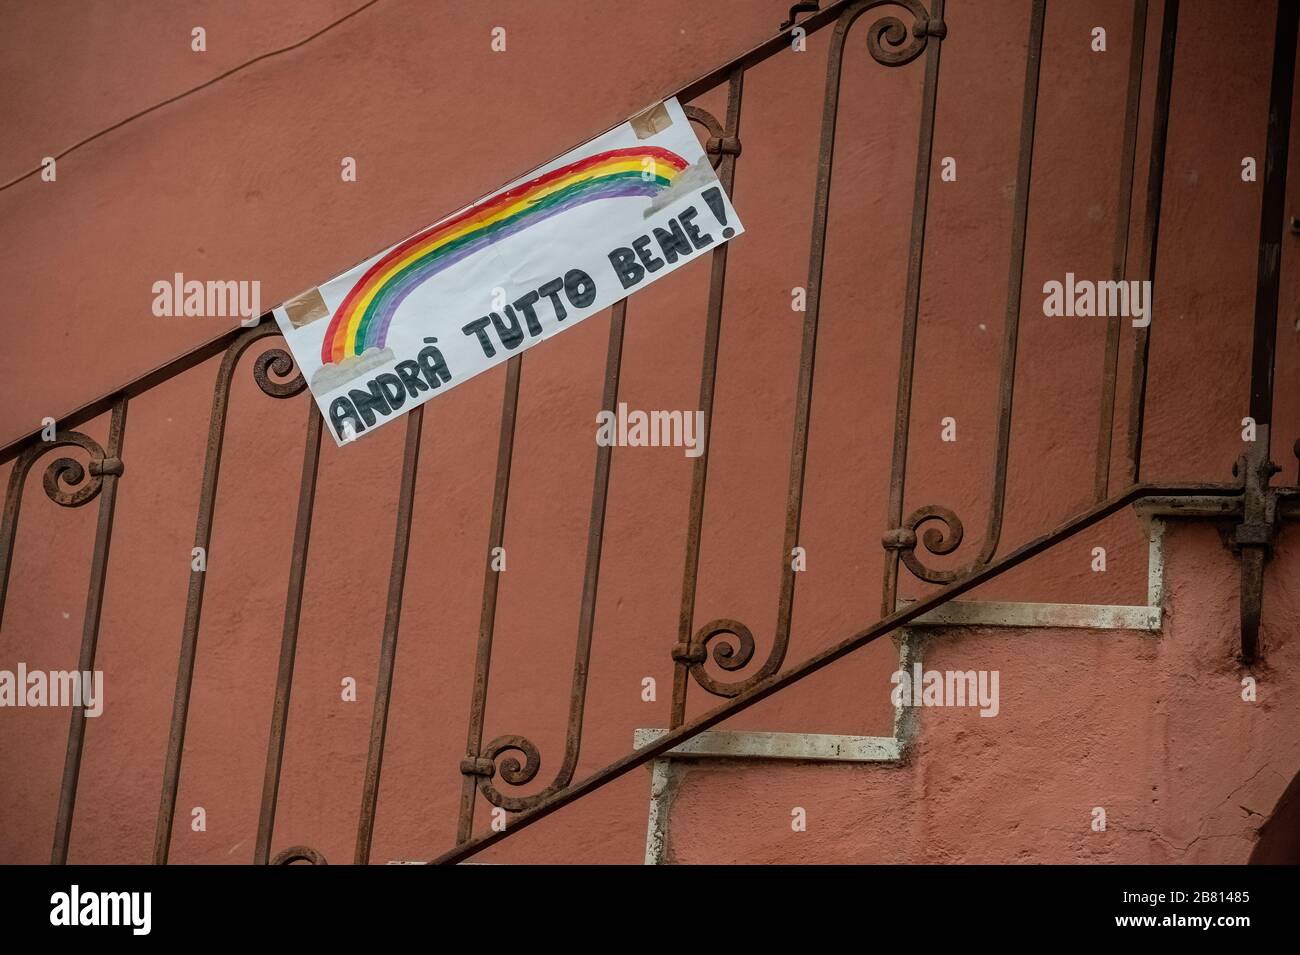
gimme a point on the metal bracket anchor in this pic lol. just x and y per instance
(1252, 541)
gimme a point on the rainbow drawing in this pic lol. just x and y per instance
(362, 319)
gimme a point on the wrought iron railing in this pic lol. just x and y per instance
(498, 768)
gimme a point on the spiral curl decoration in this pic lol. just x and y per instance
(279, 363)
(300, 854)
(940, 541)
(733, 653)
(63, 479)
(889, 40)
(511, 771)
(730, 655)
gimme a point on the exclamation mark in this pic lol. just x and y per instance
(713, 196)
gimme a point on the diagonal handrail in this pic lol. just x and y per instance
(825, 658)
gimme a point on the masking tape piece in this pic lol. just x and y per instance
(306, 308)
(651, 121)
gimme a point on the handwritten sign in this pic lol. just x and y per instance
(559, 245)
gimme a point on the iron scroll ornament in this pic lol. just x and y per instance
(719, 145)
(888, 39)
(941, 540)
(271, 371)
(67, 482)
(511, 771)
(296, 854)
(891, 42)
(64, 476)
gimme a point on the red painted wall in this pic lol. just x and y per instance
(240, 180)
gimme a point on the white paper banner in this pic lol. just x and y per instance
(559, 245)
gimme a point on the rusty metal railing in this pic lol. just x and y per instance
(497, 768)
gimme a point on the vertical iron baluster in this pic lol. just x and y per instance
(281, 362)
(708, 377)
(388, 646)
(1151, 232)
(491, 582)
(63, 469)
(911, 309)
(1271, 219)
(289, 636)
(807, 351)
(1015, 277)
(1119, 259)
(595, 540)
(891, 43)
(9, 520)
(586, 621)
(90, 628)
(902, 539)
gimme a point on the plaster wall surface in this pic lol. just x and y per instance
(240, 180)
